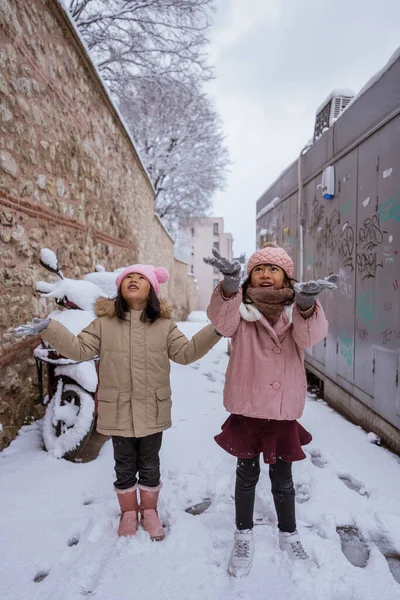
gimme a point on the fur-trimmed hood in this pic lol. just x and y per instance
(105, 307)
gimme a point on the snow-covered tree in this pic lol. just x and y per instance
(129, 38)
(179, 136)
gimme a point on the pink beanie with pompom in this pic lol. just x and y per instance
(155, 276)
(271, 254)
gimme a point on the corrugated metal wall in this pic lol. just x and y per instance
(356, 234)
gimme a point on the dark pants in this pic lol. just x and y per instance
(247, 475)
(137, 455)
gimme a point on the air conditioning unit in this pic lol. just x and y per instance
(330, 110)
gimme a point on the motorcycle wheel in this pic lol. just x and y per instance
(68, 421)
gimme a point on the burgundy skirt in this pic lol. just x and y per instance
(246, 437)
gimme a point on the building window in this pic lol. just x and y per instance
(191, 270)
(215, 229)
(216, 246)
(192, 231)
(215, 283)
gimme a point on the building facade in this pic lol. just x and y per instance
(197, 237)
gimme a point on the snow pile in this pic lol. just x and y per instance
(373, 438)
(74, 320)
(105, 281)
(74, 420)
(49, 258)
(83, 373)
(268, 207)
(375, 78)
(43, 287)
(82, 293)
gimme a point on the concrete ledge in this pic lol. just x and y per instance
(357, 412)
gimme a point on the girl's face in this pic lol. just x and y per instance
(268, 277)
(135, 289)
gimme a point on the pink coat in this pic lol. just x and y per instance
(265, 376)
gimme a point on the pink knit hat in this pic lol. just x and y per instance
(154, 275)
(271, 254)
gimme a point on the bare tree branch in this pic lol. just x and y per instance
(179, 137)
(132, 37)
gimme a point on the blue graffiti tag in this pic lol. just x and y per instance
(369, 313)
(347, 348)
(390, 209)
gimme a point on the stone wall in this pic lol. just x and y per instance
(70, 180)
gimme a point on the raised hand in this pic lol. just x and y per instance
(307, 292)
(231, 270)
(32, 328)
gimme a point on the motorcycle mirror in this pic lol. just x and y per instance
(48, 260)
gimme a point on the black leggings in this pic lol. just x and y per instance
(137, 455)
(247, 475)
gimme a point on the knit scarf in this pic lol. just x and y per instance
(270, 302)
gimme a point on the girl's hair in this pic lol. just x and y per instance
(151, 313)
(287, 280)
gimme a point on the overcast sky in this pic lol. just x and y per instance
(276, 61)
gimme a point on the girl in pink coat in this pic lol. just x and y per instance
(271, 322)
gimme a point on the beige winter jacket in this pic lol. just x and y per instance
(134, 396)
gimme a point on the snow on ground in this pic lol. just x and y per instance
(58, 520)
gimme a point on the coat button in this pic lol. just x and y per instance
(276, 385)
(277, 350)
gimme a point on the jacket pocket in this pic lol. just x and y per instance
(107, 408)
(164, 404)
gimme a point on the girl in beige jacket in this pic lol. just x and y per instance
(135, 338)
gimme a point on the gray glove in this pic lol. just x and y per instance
(231, 270)
(32, 328)
(306, 293)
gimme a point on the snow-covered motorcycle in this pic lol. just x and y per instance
(71, 412)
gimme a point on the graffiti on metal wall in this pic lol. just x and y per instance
(390, 335)
(370, 237)
(369, 312)
(332, 230)
(388, 254)
(362, 332)
(345, 285)
(346, 246)
(390, 210)
(347, 348)
(317, 216)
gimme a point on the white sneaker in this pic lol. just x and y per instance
(242, 554)
(290, 542)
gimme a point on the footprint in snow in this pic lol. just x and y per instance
(74, 541)
(389, 552)
(354, 545)
(317, 460)
(196, 366)
(210, 377)
(302, 492)
(40, 576)
(353, 484)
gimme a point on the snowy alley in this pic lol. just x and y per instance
(58, 520)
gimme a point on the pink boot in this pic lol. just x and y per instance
(148, 510)
(128, 523)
